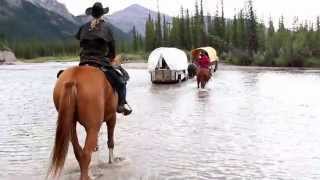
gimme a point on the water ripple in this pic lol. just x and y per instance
(248, 124)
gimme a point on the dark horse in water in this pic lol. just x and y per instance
(203, 76)
(82, 95)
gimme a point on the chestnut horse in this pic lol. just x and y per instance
(82, 95)
(203, 76)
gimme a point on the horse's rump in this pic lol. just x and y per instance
(92, 87)
(203, 76)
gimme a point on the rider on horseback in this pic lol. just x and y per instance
(98, 49)
(203, 61)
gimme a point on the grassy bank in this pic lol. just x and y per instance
(126, 57)
(267, 59)
(133, 57)
(51, 59)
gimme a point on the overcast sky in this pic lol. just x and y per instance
(304, 9)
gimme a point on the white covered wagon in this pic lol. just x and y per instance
(168, 65)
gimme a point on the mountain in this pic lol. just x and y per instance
(56, 7)
(134, 15)
(28, 19)
(23, 20)
(117, 33)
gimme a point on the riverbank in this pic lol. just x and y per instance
(222, 66)
(71, 58)
(228, 66)
(50, 59)
(142, 64)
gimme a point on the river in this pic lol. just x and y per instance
(249, 123)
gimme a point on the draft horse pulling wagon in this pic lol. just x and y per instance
(199, 57)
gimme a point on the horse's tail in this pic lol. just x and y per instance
(67, 108)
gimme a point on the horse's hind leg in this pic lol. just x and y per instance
(111, 125)
(90, 145)
(203, 84)
(75, 143)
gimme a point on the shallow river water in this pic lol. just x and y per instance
(249, 123)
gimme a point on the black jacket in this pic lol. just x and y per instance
(98, 42)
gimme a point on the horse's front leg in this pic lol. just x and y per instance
(111, 123)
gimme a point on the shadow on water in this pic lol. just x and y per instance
(204, 94)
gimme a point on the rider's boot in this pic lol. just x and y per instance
(123, 106)
(120, 86)
(125, 109)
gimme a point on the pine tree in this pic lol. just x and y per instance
(228, 34)
(318, 32)
(195, 27)
(222, 22)
(242, 31)
(188, 31)
(318, 24)
(252, 30)
(281, 25)
(182, 38)
(150, 35)
(165, 32)
(158, 31)
(203, 35)
(261, 35)
(235, 38)
(140, 43)
(174, 32)
(270, 29)
(295, 25)
(135, 43)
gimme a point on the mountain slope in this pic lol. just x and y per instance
(24, 20)
(117, 33)
(56, 7)
(21, 20)
(134, 15)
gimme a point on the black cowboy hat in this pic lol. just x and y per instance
(97, 10)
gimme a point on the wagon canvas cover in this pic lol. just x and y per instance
(211, 52)
(175, 58)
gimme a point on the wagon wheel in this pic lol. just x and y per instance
(192, 70)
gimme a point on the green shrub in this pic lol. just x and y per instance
(312, 62)
(240, 57)
(259, 59)
(34, 49)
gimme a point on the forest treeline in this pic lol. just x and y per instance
(244, 39)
